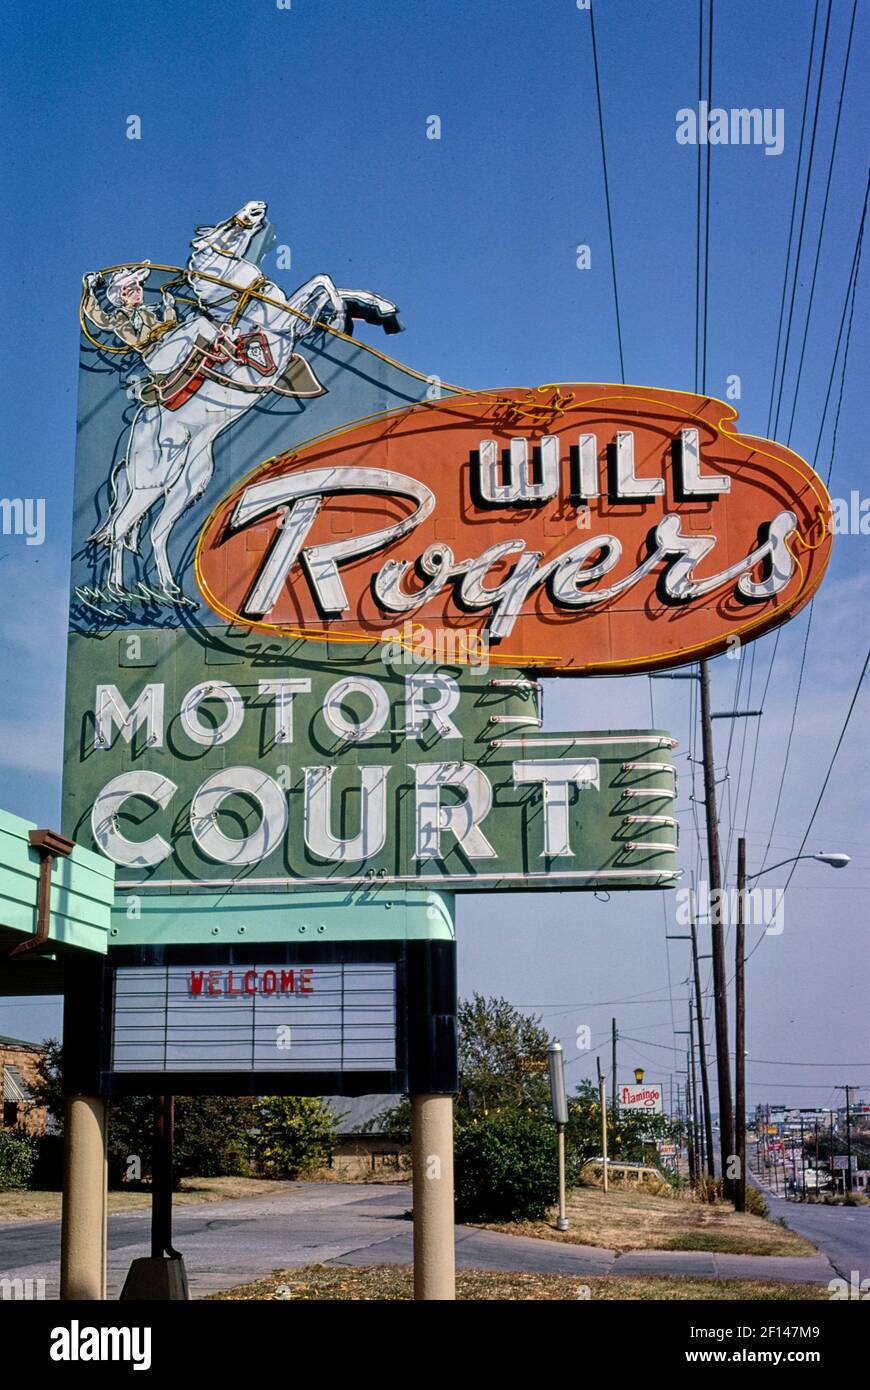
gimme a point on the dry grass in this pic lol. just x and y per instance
(629, 1219)
(45, 1206)
(388, 1283)
(363, 1173)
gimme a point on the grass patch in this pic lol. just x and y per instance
(45, 1206)
(389, 1283)
(628, 1219)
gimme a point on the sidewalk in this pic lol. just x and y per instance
(492, 1250)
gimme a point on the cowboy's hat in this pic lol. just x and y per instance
(130, 275)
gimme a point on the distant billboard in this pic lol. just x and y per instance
(646, 1097)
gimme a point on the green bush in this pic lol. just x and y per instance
(755, 1202)
(506, 1167)
(708, 1189)
(131, 1127)
(16, 1160)
(212, 1136)
(294, 1135)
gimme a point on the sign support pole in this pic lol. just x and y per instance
(85, 1160)
(432, 1151)
(161, 1177)
(83, 1227)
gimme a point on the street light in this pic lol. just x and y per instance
(638, 1075)
(835, 860)
(559, 1100)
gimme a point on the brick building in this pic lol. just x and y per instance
(19, 1074)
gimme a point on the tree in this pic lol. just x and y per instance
(502, 1059)
(294, 1135)
(47, 1090)
(212, 1137)
(502, 1066)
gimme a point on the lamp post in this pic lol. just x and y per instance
(556, 1058)
(835, 861)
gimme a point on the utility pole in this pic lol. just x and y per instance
(816, 1127)
(702, 1041)
(691, 1118)
(848, 1090)
(695, 1127)
(693, 1162)
(602, 1105)
(803, 1162)
(613, 1036)
(740, 1031)
(723, 1069)
(765, 1150)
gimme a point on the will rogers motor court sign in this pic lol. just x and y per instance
(582, 528)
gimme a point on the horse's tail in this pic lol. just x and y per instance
(119, 492)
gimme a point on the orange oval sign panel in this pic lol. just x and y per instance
(573, 528)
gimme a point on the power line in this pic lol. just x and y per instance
(850, 296)
(856, 260)
(790, 734)
(822, 222)
(607, 194)
(788, 338)
(797, 180)
(802, 358)
(803, 215)
(698, 196)
(707, 212)
(763, 1062)
(836, 751)
(820, 797)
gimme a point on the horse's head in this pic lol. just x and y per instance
(232, 236)
(252, 215)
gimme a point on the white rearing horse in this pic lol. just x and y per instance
(169, 454)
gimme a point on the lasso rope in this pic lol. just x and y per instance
(243, 295)
(535, 412)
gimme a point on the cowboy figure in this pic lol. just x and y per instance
(133, 322)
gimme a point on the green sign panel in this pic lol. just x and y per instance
(260, 764)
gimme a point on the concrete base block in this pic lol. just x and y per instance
(156, 1278)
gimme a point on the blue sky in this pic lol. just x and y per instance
(322, 110)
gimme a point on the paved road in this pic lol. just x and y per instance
(841, 1233)
(236, 1242)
